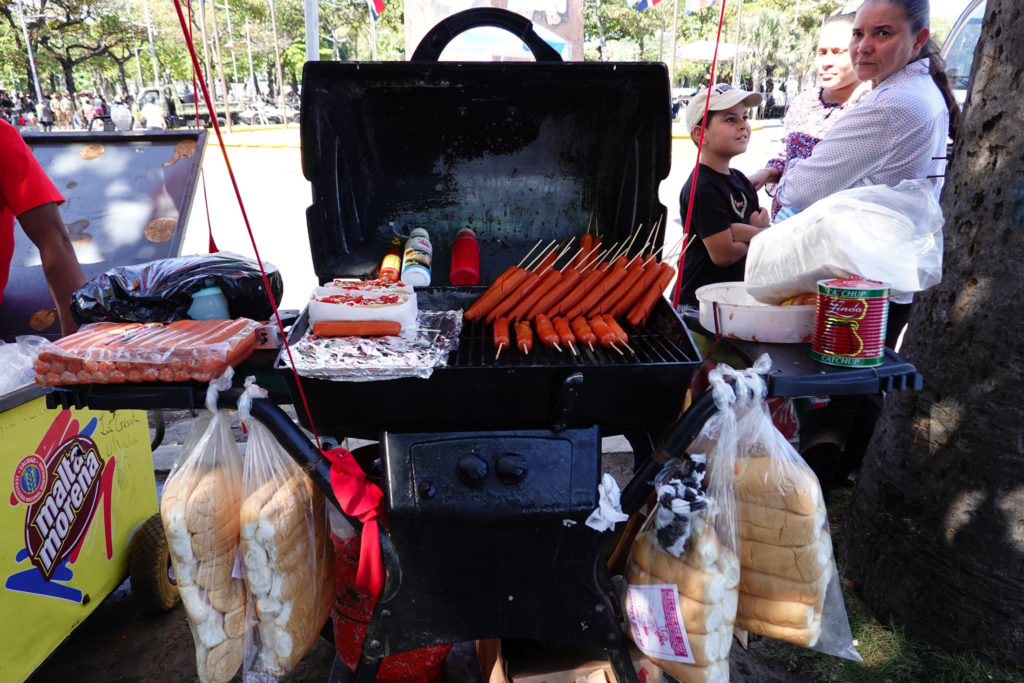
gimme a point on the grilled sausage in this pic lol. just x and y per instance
(524, 336)
(546, 332)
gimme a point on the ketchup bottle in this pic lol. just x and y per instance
(391, 264)
(465, 268)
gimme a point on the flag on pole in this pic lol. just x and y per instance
(376, 8)
(643, 4)
(697, 5)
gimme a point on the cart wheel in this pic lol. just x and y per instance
(149, 568)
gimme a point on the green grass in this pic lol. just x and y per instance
(889, 656)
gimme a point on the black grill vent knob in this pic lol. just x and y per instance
(472, 470)
(511, 468)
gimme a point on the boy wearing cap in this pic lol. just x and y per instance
(726, 213)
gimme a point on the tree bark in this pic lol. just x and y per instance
(935, 534)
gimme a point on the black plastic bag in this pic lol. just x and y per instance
(161, 291)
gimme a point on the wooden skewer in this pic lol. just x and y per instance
(540, 256)
(559, 348)
(520, 265)
(500, 347)
(629, 348)
(617, 349)
(572, 347)
(591, 346)
(521, 345)
(589, 222)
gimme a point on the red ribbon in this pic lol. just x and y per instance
(363, 500)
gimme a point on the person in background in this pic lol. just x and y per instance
(726, 213)
(45, 114)
(152, 114)
(85, 110)
(27, 192)
(816, 110)
(67, 106)
(121, 116)
(896, 132)
(59, 119)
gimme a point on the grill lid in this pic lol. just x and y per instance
(517, 151)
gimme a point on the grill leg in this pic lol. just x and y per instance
(622, 665)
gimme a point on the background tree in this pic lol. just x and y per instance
(935, 535)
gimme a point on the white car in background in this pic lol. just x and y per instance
(959, 48)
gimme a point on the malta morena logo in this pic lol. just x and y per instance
(57, 520)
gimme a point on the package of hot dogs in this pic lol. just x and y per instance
(114, 353)
(789, 585)
(287, 552)
(200, 512)
(683, 571)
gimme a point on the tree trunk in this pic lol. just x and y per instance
(935, 533)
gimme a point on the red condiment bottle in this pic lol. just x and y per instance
(391, 264)
(465, 268)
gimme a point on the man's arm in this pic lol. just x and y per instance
(45, 228)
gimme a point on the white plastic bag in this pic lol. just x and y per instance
(199, 509)
(683, 570)
(889, 234)
(789, 585)
(286, 546)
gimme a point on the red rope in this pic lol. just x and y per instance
(198, 74)
(696, 166)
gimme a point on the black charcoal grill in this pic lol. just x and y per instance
(491, 465)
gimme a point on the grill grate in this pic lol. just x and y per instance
(650, 347)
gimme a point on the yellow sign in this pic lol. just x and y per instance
(77, 483)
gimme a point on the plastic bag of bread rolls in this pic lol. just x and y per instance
(286, 546)
(683, 572)
(199, 508)
(789, 586)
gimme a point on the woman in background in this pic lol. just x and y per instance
(897, 132)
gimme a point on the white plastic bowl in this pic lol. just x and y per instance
(741, 316)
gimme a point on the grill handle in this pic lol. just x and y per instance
(565, 400)
(437, 38)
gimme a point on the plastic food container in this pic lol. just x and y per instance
(741, 316)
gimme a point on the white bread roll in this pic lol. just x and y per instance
(214, 502)
(234, 622)
(778, 483)
(220, 664)
(755, 583)
(780, 612)
(805, 563)
(778, 526)
(807, 637)
(289, 567)
(716, 672)
(698, 617)
(215, 572)
(228, 596)
(697, 584)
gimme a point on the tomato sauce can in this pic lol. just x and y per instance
(850, 320)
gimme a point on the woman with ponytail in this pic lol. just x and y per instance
(897, 132)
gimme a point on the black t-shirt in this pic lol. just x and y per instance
(720, 200)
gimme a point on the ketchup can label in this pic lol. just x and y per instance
(849, 325)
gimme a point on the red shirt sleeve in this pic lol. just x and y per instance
(24, 184)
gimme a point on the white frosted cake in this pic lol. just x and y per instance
(353, 300)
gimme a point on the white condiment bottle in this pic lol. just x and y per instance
(417, 258)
